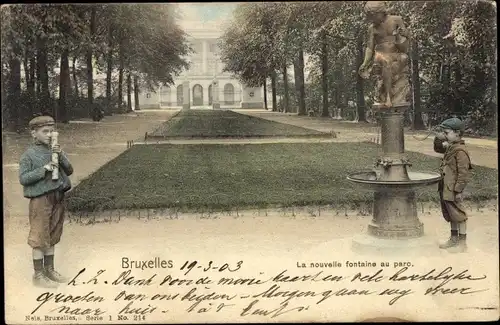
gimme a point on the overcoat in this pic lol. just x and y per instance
(455, 170)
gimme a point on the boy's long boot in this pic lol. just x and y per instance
(461, 246)
(50, 272)
(39, 278)
(452, 241)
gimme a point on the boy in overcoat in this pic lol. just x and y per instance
(455, 170)
(46, 207)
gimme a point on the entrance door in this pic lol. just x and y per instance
(197, 95)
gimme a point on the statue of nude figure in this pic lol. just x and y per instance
(387, 47)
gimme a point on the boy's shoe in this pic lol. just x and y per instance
(461, 247)
(42, 281)
(452, 242)
(55, 276)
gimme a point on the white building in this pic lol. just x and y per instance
(206, 67)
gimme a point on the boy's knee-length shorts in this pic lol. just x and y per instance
(46, 215)
(452, 211)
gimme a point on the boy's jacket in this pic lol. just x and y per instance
(454, 167)
(36, 180)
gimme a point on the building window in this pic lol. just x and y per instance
(211, 67)
(197, 95)
(228, 94)
(196, 67)
(148, 95)
(180, 95)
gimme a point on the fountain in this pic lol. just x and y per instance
(395, 219)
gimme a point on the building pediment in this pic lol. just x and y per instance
(201, 29)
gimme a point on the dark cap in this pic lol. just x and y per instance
(40, 121)
(453, 124)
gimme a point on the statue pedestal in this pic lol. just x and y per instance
(186, 98)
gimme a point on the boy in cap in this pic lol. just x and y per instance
(46, 207)
(455, 169)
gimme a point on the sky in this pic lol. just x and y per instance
(213, 14)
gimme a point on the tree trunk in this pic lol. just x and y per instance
(129, 93)
(297, 82)
(38, 89)
(337, 88)
(30, 84)
(64, 87)
(136, 94)
(265, 94)
(75, 79)
(300, 82)
(324, 74)
(418, 122)
(273, 90)
(120, 79)
(14, 94)
(344, 89)
(445, 82)
(44, 103)
(345, 104)
(26, 69)
(285, 86)
(360, 94)
(90, 69)
(109, 74)
(90, 83)
(457, 103)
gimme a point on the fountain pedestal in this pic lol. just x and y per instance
(395, 214)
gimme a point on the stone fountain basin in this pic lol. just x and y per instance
(368, 180)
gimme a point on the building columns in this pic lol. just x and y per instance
(215, 96)
(186, 102)
(205, 96)
(204, 56)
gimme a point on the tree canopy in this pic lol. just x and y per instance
(140, 41)
(453, 53)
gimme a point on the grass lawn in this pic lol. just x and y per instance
(199, 177)
(193, 123)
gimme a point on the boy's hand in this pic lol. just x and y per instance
(445, 144)
(56, 148)
(459, 196)
(50, 166)
(441, 136)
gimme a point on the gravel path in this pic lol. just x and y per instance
(296, 236)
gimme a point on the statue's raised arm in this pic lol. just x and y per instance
(364, 69)
(402, 35)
